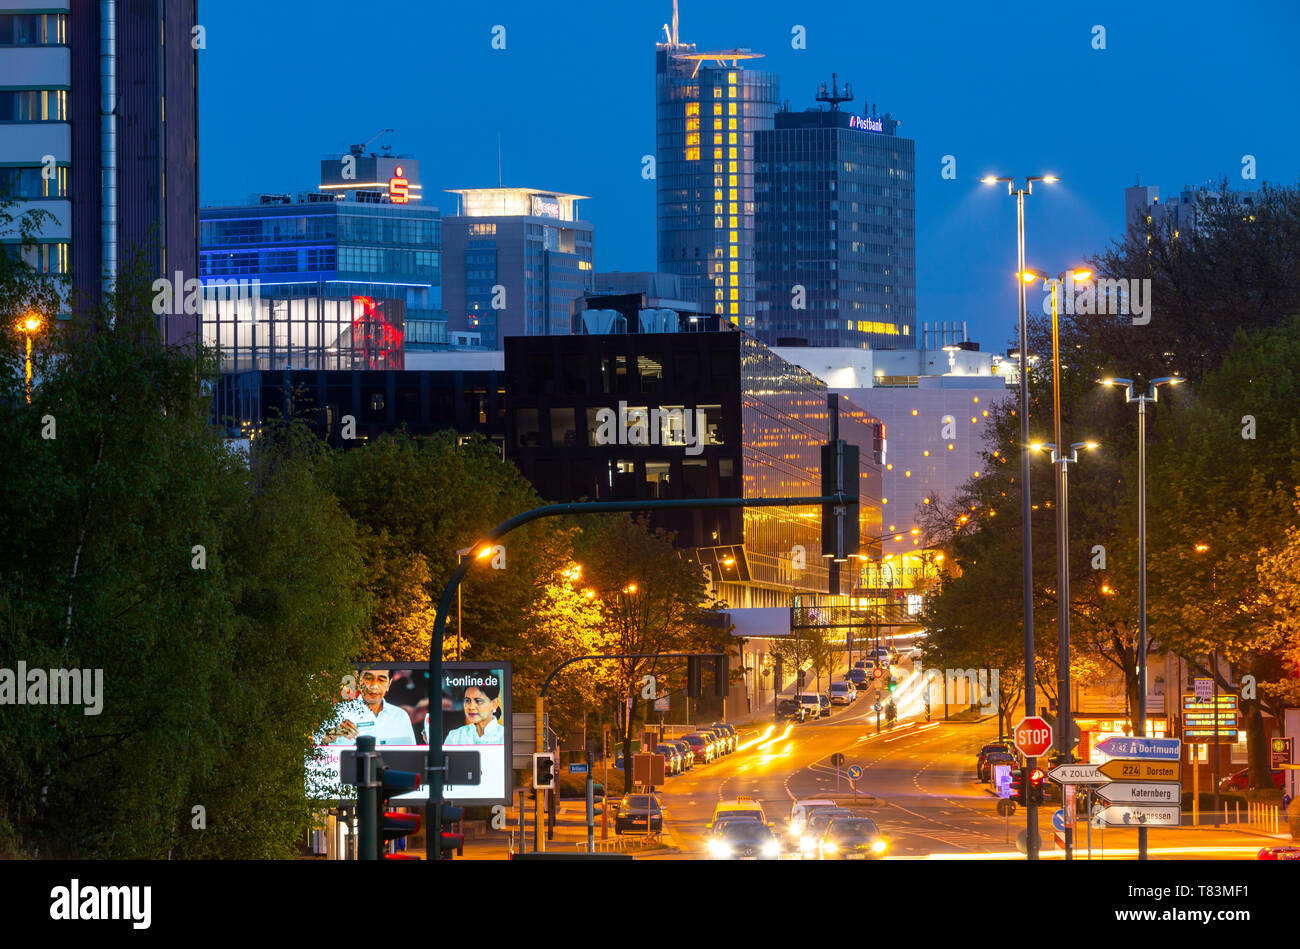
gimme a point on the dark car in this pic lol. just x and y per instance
(852, 838)
(743, 840)
(992, 758)
(792, 708)
(825, 703)
(815, 826)
(700, 747)
(1001, 746)
(639, 813)
(858, 677)
(1241, 780)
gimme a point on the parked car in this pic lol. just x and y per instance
(1241, 780)
(859, 677)
(852, 838)
(824, 701)
(812, 703)
(1001, 746)
(639, 812)
(843, 693)
(744, 840)
(731, 731)
(685, 752)
(718, 739)
(672, 758)
(700, 746)
(992, 758)
(792, 708)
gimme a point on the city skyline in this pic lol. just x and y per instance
(967, 108)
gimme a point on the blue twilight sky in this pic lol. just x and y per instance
(1182, 91)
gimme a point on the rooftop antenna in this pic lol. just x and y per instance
(498, 159)
(836, 95)
(674, 22)
(360, 149)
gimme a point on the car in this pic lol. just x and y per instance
(788, 707)
(726, 734)
(730, 730)
(993, 758)
(1278, 853)
(672, 758)
(812, 703)
(718, 739)
(1002, 746)
(700, 747)
(882, 655)
(859, 677)
(815, 826)
(824, 701)
(684, 751)
(741, 807)
(639, 813)
(744, 840)
(1241, 780)
(852, 838)
(843, 693)
(860, 664)
(800, 811)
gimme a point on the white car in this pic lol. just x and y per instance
(843, 693)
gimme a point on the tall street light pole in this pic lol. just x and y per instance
(1031, 809)
(29, 325)
(1140, 726)
(1064, 723)
(460, 558)
(1214, 674)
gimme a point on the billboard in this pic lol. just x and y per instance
(390, 701)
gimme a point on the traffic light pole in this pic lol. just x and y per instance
(367, 799)
(845, 501)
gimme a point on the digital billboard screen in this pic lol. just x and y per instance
(390, 701)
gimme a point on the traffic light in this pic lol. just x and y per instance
(720, 675)
(1025, 777)
(1036, 785)
(452, 842)
(840, 537)
(1017, 786)
(543, 770)
(693, 677)
(395, 825)
(892, 683)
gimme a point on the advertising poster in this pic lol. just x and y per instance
(391, 703)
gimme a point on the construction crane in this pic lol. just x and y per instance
(360, 149)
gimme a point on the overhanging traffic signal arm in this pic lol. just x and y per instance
(840, 536)
(543, 770)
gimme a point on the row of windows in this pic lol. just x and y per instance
(33, 182)
(309, 260)
(358, 228)
(33, 29)
(34, 105)
(46, 258)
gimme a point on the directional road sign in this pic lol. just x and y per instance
(1058, 820)
(1118, 769)
(1077, 774)
(578, 768)
(1139, 815)
(1116, 746)
(855, 772)
(1033, 736)
(1127, 792)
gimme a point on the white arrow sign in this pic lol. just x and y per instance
(1141, 815)
(1077, 774)
(1119, 792)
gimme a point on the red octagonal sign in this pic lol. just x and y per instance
(1033, 736)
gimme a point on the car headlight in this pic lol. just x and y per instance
(829, 847)
(772, 849)
(807, 843)
(719, 849)
(878, 846)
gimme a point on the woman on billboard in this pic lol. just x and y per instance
(482, 704)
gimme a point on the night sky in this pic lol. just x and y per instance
(1179, 95)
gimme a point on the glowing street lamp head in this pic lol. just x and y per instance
(486, 551)
(630, 588)
(1081, 275)
(1050, 179)
(1029, 276)
(30, 323)
(1202, 548)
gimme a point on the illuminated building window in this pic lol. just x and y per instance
(719, 222)
(733, 250)
(692, 138)
(734, 266)
(735, 294)
(717, 92)
(731, 167)
(717, 167)
(731, 140)
(718, 294)
(692, 108)
(731, 78)
(731, 108)
(692, 154)
(731, 183)
(692, 125)
(717, 125)
(733, 238)
(735, 280)
(732, 208)
(735, 308)
(717, 107)
(731, 93)
(717, 194)
(731, 124)
(718, 209)
(717, 138)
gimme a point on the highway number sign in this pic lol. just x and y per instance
(1033, 736)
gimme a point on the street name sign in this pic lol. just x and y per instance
(1033, 736)
(1117, 769)
(1167, 749)
(1077, 774)
(1141, 815)
(578, 768)
(1127, 792)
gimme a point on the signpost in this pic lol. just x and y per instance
(1141, 815)
(1210, 719)
(1033, 736)
(1126, 792)
(1204, 689)
(1164, 749)
(1077, 774)
(577, 767)
(1279, 752)
(1120, 770)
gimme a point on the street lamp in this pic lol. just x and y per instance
(1214, 676)
(461, 554)
(29, 325)
(1142, 402)
(1064, 721)
(1027, 566)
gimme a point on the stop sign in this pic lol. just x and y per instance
(1033, 736)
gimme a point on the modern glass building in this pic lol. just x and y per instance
(516, 259)
(835, 210)
(118, 185)
(708, 110)
(734, 420)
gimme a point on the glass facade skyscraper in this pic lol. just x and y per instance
(708, 109)
(835, 213)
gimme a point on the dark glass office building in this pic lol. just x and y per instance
(835, 220)
(691, 415)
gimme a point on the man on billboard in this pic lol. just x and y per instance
(369, 714)
(481, 704)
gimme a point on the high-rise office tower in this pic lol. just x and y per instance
(513, 262)
(100, 104)
(708, 109)
(835, 212)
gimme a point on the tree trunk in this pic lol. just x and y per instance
(1261, 771)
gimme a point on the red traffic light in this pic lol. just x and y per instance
(1036, 776)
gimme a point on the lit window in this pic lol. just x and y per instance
(731, 124)
(717, 107)
(734, 266)
(731, 167)
(692, 154)
(731, 140)
(735, 280)
(717, 93)
(733, 250)
(717, 138)
(733, 238)
(731, 108)
(692, 108)
(731, 183)
(692, 138)
(731, 78)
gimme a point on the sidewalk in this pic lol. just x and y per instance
(570, 836)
